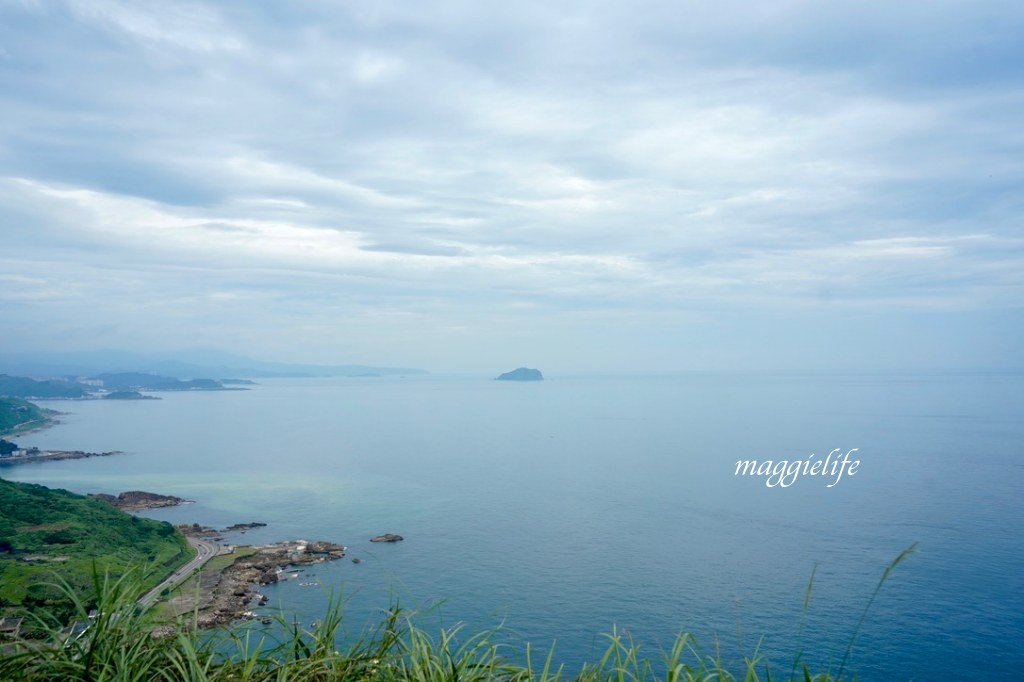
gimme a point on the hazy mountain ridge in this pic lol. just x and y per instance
(184, 365)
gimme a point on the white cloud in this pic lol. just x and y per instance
(453, 162)
(186, 25)
(370, 67)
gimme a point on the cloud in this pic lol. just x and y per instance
(448, 163)
(190, 26)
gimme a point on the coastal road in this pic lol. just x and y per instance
(206, 551)
(78, 634)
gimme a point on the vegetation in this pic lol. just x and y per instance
(18, 415)
(22, 387)
(46, 533)
(119, 644)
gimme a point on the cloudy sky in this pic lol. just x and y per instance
(473, 186)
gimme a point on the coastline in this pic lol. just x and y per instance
(220, 594)
(53, 456)
(20, 430)
(225, 589)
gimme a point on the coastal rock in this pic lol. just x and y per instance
(387, 537)
(522, 374)
(225, 594)
(243, 526)
(134, 500)
(194, 530)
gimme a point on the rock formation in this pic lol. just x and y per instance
(134, 500)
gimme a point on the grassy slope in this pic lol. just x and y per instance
(45, 531)
(17, 415)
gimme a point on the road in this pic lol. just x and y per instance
(205, 549)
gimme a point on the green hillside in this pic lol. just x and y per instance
(23, 387)
(45, 532)
(18, 415)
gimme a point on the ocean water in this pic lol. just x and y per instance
(562, 509)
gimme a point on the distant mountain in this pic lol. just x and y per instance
(126, 382)
(185, 365)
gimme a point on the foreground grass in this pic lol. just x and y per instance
(118, 647)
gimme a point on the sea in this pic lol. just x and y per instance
(563, 511)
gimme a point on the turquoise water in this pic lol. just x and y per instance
(564, 508)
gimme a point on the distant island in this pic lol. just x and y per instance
(522, 374)
(128, 395)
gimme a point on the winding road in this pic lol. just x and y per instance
(205, 549)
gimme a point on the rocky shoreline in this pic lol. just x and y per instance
(226, 595)
(37, 455)
(136, 500)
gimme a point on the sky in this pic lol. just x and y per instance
(475, 186)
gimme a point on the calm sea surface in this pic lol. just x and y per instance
(561, 509)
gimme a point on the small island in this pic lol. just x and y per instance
(387, 537)
(128, 395)
(522, 374)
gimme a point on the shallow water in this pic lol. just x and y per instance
(567, 507)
